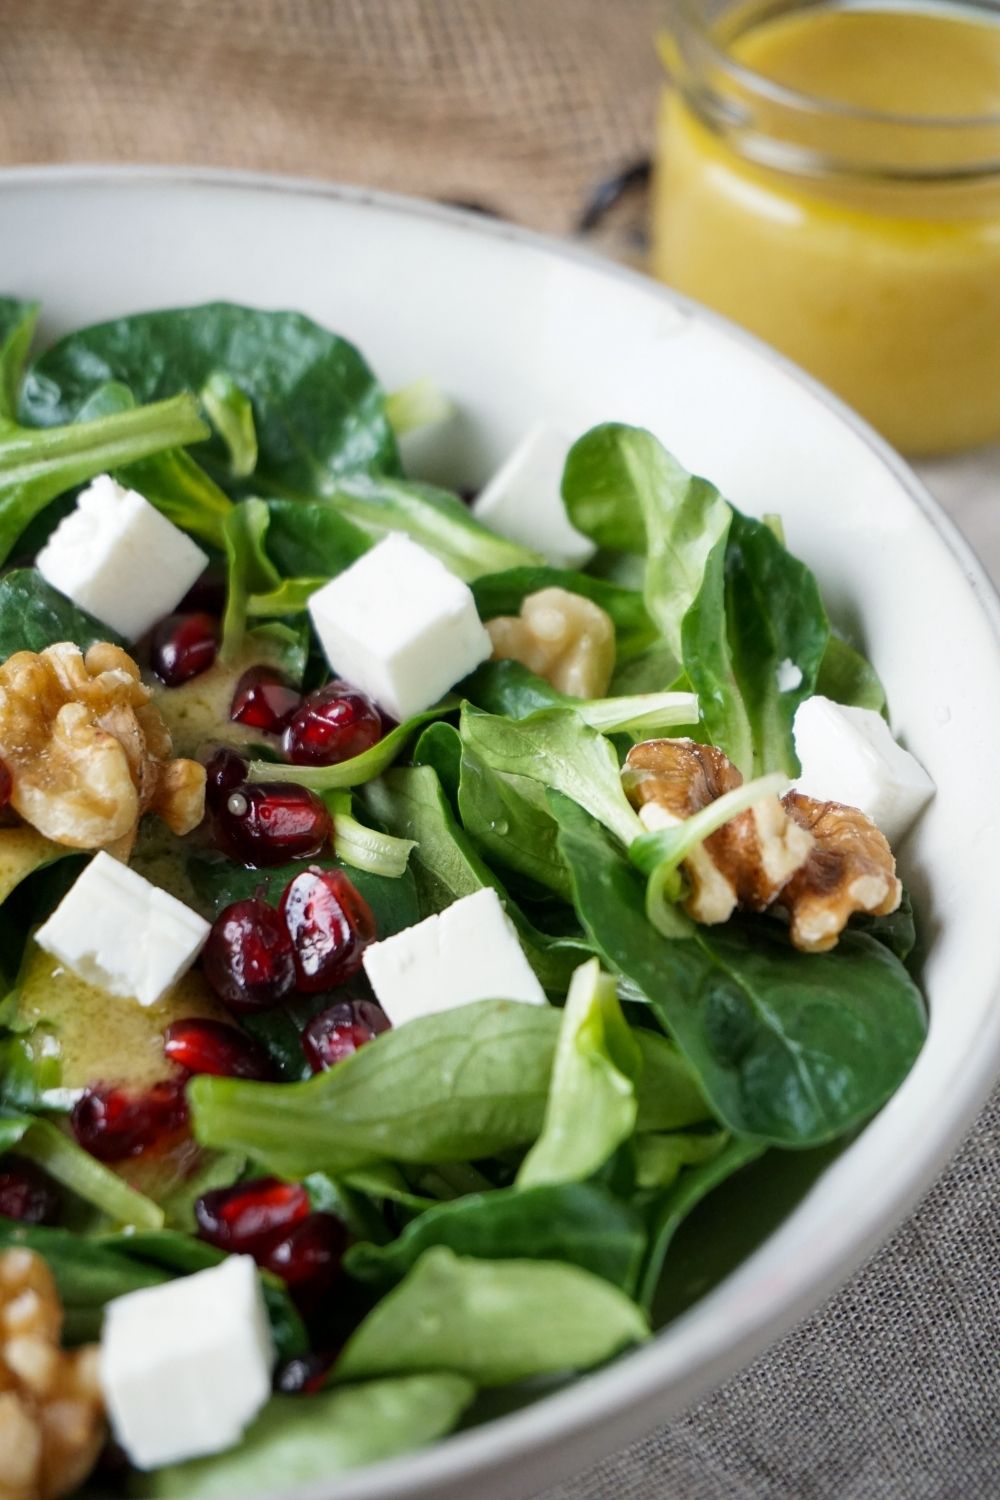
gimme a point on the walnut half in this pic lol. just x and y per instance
(52, 1423)
(818, 862)
(561, 636)
(87, 751)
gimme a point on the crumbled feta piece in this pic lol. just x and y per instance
(467, 952)
(849, 755)
(118, 558)
(399, 625)
(118, 931)
(524, 501)
(185, 1366)
(788, 676)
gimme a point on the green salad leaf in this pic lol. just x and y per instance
(792, 1048)
(295, 1440)
(492, 1321)
(580, 1223)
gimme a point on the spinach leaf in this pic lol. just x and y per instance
(847, 677)
(667, 1092)
(898, 931)
(310, 538)
(559, 750)
(359, 768)
(435, 518)
(667, 1210)
(578, 1223)
(409, 801)
(365, 848)
(35, 466)
(709, 666)
(591, 1107)
(35, 615)
(295, 1440)
(623, 489)
(318, 411)
(508, 819)
(456, 1086)
(493, 1321)
(776, 621)
(17, 329)
(504, 593)
(788, 1047)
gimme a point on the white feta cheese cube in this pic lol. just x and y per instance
(118, 931)
(185, 1366)
(118, 558)
(467, 952)
(399, 625)
(524, 501)
(849, 755)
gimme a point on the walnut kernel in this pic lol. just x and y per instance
(850, 869)
(51, 1413)
(561, 636)
(88, 752)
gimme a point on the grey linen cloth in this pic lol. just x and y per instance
(890, 1391)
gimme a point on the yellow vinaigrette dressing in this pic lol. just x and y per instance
(830, 178)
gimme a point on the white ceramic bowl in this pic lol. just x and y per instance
(518, 328)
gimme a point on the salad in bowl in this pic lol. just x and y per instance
(412, 905)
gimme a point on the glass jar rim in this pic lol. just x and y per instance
(723, 91)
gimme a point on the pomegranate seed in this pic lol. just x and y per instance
(252, 1216)
(331, 925)
(309, 1255)
(340, 1030)
(207, 595)
(264, 699)
(184, 646)
(305, 1375)
(203, 1046)
(25, 1195)
(271, 822)
(248, 959)
(333, 724)
(115, 1123)
(6, 784)
(225, 772)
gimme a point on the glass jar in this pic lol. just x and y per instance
(830, 178)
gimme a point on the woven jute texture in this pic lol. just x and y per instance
(892, 1390)
(518, 105)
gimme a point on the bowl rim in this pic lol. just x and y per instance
(643, 1375)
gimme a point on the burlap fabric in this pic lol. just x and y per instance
(891, 1391)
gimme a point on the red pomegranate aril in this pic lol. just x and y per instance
(309, 1255)
(304, 1375)
(264, 700)
(225, 773)
(25, 1195)
(183, 646)
(334, 723)
(116, 1123)
(331, 925)
(340, 1030)
(249, 959)
(252, 1216)
(6, 784)
(203, 1046)
(206, 596)
(270, 822)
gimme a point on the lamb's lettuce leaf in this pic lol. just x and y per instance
(492, 1321)
(296, 1439)
(579, 1223)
